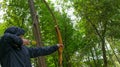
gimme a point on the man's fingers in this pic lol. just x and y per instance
(60, 45)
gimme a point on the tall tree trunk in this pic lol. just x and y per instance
(104, 53)
(102, 38)
(36, 31)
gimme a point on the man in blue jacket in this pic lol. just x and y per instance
(14, 53)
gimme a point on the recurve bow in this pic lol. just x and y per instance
(60, 50)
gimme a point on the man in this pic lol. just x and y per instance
(14, 53)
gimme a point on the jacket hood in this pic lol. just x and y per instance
(15, 30)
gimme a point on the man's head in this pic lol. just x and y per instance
(15, 30)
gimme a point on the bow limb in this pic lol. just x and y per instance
(60, 50)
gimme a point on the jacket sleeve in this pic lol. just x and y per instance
(8, 41)
(42, 51)
(12, 39)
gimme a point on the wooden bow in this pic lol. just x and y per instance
(60, 50)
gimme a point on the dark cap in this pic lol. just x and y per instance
(15, 30)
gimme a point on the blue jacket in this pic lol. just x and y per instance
(14, 54)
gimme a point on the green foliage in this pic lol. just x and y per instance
(98, 19)
(82, 43)
(18, 14)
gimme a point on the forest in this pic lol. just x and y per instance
(90, 29)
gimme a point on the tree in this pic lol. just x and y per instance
(98, 15)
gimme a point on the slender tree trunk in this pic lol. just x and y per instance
(103, 44)
(102, 38)
(36, 31)
(104, 52)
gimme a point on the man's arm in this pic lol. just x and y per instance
(8, 41)
(42, 51)
(12, 40)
